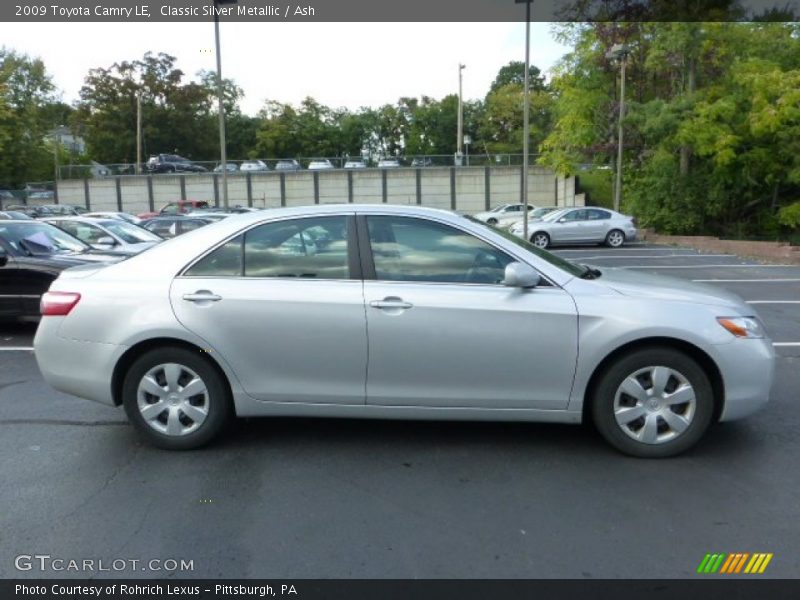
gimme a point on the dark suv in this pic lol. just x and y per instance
(172, 163)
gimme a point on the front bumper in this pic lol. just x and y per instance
(747, 367)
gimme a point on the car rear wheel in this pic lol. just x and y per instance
(615, 238)
(176, 399)
(491, 221)
(653, 403)
(540, 240)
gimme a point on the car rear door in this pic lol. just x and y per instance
(285, 309)
(443, 332)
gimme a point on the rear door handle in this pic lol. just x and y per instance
(202, 296)
(390, 302)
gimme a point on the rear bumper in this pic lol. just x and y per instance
(75, 367)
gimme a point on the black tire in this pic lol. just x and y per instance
(543, 240)
(615, 239)
(216, 400)
(605, 392)
(492, 221)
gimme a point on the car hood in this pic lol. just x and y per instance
(663, 287)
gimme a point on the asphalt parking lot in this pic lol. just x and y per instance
(294, 498)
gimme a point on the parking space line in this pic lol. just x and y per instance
(773, 301)
(745, 280)
(604, 256)
(785, 344)
(728, 266)
(17, 348)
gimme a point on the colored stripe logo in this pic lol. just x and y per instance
(736, 563)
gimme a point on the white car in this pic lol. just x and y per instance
(320, 165)
(388, 163)
(123, 216)
(504, 211)
(355, 164)
(254, 165)
(580, 226)
(537, 214)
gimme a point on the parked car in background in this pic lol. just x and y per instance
(6, 197)
(422, 162)
(254, 165)
(348, 311)
(16, 215)
(172, 163)
(320, 165)
(388, 163)
(113, 235)
(493, 216)
(287, 165)
(229, 166)
(170, 227)
(533, 215)
(580, 226)
(180, 207)
(114, 215)
(32, 210)
(32, 255)
(355, 163)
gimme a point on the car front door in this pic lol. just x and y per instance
(286, 312)
(9, 284)
(569, 228)
(443, 330)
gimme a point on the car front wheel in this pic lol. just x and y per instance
(176, 399)
(653, 403)
(540, 240)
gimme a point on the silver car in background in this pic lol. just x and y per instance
(579, 226)
(397, 312)
(113, 235)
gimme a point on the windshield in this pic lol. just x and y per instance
(555, 215)
(40, 238)
(556, 261)
(130, 234)
(541, 212)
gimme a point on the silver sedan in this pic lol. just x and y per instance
(403, 313)
(580, 226)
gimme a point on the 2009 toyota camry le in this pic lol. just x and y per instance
(397, 312)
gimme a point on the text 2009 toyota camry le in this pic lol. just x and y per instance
(397, 312)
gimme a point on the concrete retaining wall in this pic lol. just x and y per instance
(769, 251)
(465, 189)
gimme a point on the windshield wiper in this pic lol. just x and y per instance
(589, 272)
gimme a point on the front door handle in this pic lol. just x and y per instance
(202, 296)
(391, 302)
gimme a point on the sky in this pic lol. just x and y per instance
(339, 64)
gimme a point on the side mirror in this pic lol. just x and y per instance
(106, 240)
(520, 275)
(3, 257)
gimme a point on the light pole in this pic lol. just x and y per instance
(459, 133)
(138, 132)
(222, 149)
(619, 52)
(525, 120)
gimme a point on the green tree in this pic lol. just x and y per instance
(25, 93)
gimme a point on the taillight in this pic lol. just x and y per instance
(58, 304)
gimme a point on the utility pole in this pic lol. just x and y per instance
(138, 133)
(525, 118)
(619, 52)
(221, 110)
(460, 133)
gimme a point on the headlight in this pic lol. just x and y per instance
(742, 327)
